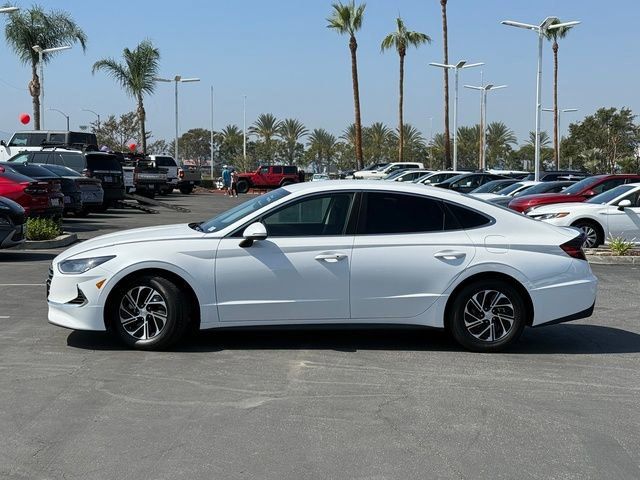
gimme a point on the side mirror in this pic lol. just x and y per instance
(589, 193)
(623, 204)
(2, 143)
(255, 231)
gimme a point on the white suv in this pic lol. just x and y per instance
(386, 170)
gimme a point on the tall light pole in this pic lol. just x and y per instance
(61, 113)
(91, 111)
(177, 79)
(244, 128)
(558, 126)
(41, 51)
(483, 117)
(541, 30)
(211, 165)
(458, 66)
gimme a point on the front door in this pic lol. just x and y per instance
(299, 273)
(403, 258)
(625, 223)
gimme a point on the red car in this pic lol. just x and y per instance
(37, 198)
(578, 192)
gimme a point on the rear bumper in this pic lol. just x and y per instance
(569, 318)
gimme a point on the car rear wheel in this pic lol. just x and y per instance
(487, 316)
(186, 190)
(242, 186)
(592, 232)
(149, 313)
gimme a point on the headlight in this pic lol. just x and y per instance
(549, 216)
(82, 265)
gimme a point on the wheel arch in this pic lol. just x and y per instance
(593, 222)
(180, 282)
(485, 276)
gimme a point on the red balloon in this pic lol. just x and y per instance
(132, 147)
(24, 118)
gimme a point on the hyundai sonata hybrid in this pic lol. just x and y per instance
(333, 252)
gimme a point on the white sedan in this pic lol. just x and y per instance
(614, 213)
(330, 252)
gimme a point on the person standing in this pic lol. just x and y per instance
(226, 180)
(234, 183)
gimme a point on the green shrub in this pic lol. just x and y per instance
(43, 228)
(620, 246)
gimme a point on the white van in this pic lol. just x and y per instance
(386, 170)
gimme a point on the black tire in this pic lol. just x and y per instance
(242, 186)
(477, 329)
(104, 207)
(285, 183)
(148, 333)
(83, 213)
(594, 235)
(165, 191)
(186, 190)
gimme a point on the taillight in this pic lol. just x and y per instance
(38, 188)
(87, 173)
(180, 173)
(573, 247)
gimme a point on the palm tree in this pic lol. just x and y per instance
(402, 39)
(500, 139)
(377, 138)
(553, 35)
(414, 143)
(28, 28)
(445, 38)
(291, 131)
(231, 142)
(347, 19)
(468, 142)
(135, 76)
(322, 145)
(266, 128)
(544, 139)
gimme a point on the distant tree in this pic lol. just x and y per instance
(401, 40)
(415, 148)
(230, 143)
(500, 142)
(34, 26)
(136, 76)
(321, 149)
(468, 146)
(377, 141)
(159, 147)
(266, 128)
(291, 132)
(553, 36)
(545, 141)
(118, 133)
(347, 19)
(195, 144)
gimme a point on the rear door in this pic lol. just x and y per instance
(403, 259)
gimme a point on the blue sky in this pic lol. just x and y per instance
(281, 55)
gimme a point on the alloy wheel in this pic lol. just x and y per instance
(143, 312)
(489, 315)
(591, 236)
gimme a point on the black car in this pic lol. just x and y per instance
(553, 175)
(542, 187)
(12, 220)
(101, 165)
(71, 192)
(467, 182)
(89, 189)
(494, 185)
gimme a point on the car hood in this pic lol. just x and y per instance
(560, 207)
(486, 196)
(136, 235)
(540, 198)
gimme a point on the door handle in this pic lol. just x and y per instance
(331, 257)
(449, 255)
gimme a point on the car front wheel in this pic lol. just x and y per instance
(487, 316)
(593, 235)
(149, 313)
(242, 186)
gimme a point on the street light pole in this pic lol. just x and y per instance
(177, 79)
(41, 51)
(558, 126)
(63, 114)
(458, 66)
(483, 118)
(211, 163)
(541, 30)
(244, 128)
(91, 111)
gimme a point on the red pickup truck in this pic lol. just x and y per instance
(273, 176)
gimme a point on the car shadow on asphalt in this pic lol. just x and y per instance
(560, 339)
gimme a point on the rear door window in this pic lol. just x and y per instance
(74, 161)
(40, 157)
(103, 162)
(388, 213)
(608, 185)
(165, 162)
(277, 170)
(57, 138)
(290, 170)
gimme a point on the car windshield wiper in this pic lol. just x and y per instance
(196, 226)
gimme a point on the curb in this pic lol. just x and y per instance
(60, 241)
(613, 259)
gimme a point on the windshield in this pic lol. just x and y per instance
(542, 187)
(33, 171)
(580, 186)
(510, 188)
(606, 197)
(237, 213)
(62, 171)
(493, 186)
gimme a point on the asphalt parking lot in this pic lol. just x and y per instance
(343, 404)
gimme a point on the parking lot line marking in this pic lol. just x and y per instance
(21, 284)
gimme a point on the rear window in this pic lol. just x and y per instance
(16, 177)
(83, 138)
(457, 217)
(103, 162)
(33, 171)
(62, 171)
(165, 162)
(290, 170)
(57, 137)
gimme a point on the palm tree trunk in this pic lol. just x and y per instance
(447, 139)
(556, 144)
(400, 129)
(34, 91)
(353, 46)
(143, 131)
